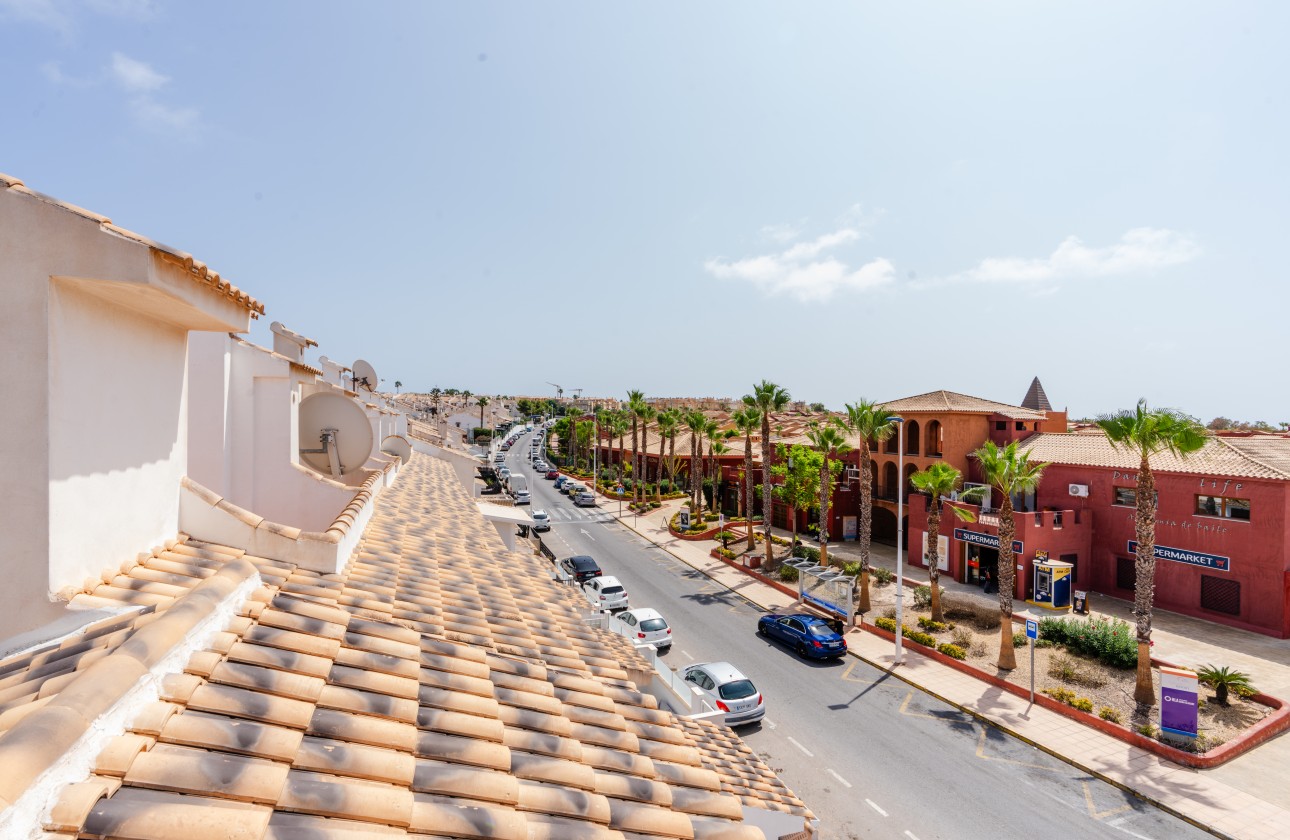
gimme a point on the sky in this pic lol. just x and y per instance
(853, 200)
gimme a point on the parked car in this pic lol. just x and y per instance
(809, 635)
(522, 497)
(571, 488)
(644, 625)
(606, 592)
(580, 567)
(552, 473)
(585, 498)
(735, 694)
(561, 480)
(504, 473)
(541, 520)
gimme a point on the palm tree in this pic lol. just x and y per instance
(635, 399)
(673, 426)
(695, 421)
(830, 440)
(666, 421)
(870, 422)
(397, 386)
(1146, 432)
(647, 414)
(746, 421)
(767, 397)
(1011, 473)
(483, 401)
(619, 428)
(938, 481)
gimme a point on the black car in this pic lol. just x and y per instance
(580, 567)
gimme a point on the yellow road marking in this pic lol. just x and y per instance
(846, 675)
(1101, 815)
(980, 753)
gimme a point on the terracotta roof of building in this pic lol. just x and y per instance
(1240, 457)
(949, 401)
(439, 685)
(198, 270)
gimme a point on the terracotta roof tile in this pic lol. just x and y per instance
(948, 401)
(1238, 457)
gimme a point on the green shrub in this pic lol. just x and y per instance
(1111, 641)
(1019, 640)
(726, 553)
(932, 626)
(883, 575)
(655, 505)
(1071, 670)
(1061, 695)
(788, 574)
(1147, 729)
(1083, 704)
(725, 535)
(710, 517)
(889, 612)
(1110, 714)
(1223, 680)
(952, 651)
(888, 624)
(852, 569)
(926, 639)
(806, 552)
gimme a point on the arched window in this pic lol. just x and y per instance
(891, 446)
(873, 478)
(890, 480)
(910, 469)
(933, 441)
(911, 438)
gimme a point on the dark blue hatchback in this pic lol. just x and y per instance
(809, 635)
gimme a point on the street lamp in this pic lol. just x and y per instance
(900, 534)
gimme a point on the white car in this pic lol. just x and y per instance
(734, 693)
(606, 593)
(522, 497)
(645, 626)
(541, 520)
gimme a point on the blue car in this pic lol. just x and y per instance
(809, 635)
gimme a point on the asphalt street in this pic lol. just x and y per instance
(871, 756)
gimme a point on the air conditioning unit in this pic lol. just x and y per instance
(1079, 490)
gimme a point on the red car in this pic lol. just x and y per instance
(552, 475)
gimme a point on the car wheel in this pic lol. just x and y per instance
(761, 630)
(801, 650)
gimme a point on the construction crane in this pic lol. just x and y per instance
(577, 393)
(559, 392)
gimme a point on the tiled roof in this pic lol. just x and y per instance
(1240, 457)
(948, 401)
(440, 685)
(198, 270)
(1036, 398)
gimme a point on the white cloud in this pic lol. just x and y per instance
(135, 76)
(152, 114)
(44, 12)
(1139, 251)
(779, 234)
(802, 270)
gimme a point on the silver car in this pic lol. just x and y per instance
(541, 521)
(735, 694)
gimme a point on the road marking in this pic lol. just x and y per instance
(769, 723)
(846, 675)
(980, 753)
(805, 750)
(874, 805)
(1100, 815)
(834, 774)
(687, 655)
(910, 835)
(904, 710)
(587, 535)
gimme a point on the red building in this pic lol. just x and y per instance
(1221, 529)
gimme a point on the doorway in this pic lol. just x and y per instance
(982, 563)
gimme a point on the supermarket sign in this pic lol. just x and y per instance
(1191, 558)
(987, 540)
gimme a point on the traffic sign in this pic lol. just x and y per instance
(1032, 629)
(619, 488)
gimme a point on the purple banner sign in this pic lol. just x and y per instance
(1178, 707)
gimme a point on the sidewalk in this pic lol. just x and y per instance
(1245, 798)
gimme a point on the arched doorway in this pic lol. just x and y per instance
(911, 438)
(890, 480)
(933, 442)
(884, 526)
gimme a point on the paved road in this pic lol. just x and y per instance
(870, 755)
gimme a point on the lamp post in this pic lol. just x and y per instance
(900, 537)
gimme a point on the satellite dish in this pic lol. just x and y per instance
(398, 446)
(335, 435)
(364, 376)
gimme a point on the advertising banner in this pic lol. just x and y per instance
(848, 527)
(1179, 691)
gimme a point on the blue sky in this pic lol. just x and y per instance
(850, 199)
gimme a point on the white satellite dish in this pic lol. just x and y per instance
(335, 434)
(398, 446)
(364, 376)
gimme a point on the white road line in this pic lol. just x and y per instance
(874, 805)
(910, 835)
(769, 723)
(835, 775)
(812, 755)
(687, 655)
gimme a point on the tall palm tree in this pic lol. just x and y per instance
(647, 414)
(830, 440)
(870, 422)
(938, 481)
(1011, 473)
(747, 420)
(618, 428)
(767, 397)
(666, 423)
(1146, 432)
(673, 427)
(635, 399)
(695, 421)
(482, 402)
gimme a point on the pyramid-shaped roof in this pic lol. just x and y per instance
(1036, 398)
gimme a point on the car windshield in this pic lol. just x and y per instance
(611, 590)
(821, 630)
(737, 690)
(653, 624)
